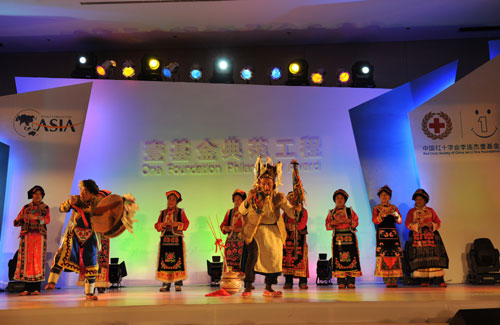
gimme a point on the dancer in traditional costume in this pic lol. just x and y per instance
(78, 250)
(102, 279)
(388, 252)
(295, 252)
(33, 220)
(231, 226)
(172, 223)
(427, 255)
(263, 227)
(343, 221)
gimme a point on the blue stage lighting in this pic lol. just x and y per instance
(246, 73)
(276, 73)
(167, 73)
(195, 74)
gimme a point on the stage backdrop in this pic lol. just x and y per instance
(43, 130)
(456, 140)
(202, 139)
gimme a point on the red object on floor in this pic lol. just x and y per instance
(218, 293)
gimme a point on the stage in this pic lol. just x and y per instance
(366, 304)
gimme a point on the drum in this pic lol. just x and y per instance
(107, 216)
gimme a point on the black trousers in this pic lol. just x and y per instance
(177, 283)
(346, 280)
(252, 256)
(289, 279)
(32, 286)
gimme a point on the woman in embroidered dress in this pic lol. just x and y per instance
(388, 252)
(427, 255)
(33, 220)
(231, 226)
(172, 223)
(343, 221)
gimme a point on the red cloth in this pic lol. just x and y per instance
(428, 218)
(218, 293)
(302, 223)
(163, 213)
(341, 214)
(41, 210)
(377, 221)
(225, 222)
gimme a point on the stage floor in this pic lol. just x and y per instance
(318, 305)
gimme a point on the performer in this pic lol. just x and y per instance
(388, 251)
(172, 223)
(427, 254)
(102, 279)
(263, 227)
(232, 224)
(33, 220)
(78, 250)
(295, 259)
(343, 221)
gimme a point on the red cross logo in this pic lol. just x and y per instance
(437, 126)
(437, 122)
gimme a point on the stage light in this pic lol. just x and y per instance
(150, 68)
(85, 66)
(117, 271)
(246, 73)
(105, 70)
(318, 77)
(214, 270)
(294, 68)
(484, 262)
(343, 77)
(196, 72)
(128, 69)
(298, 74)
(223, 71)
(323, 270)
(222, 65)
(154, 64)
(276, 73)
(362, 75)
(170, 69)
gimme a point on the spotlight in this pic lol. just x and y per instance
(318, 77)
(169, 70)
(214, 270)
(343, 77)
(85, 66)
(298, 73)
(323, 270)
(223, 71)
(150, 68)
(117, 271)
(128, 70)
(246, 73)
(276, 73)
(196, 72)
(105, 70)
(362, 75)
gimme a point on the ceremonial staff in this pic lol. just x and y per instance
(299, 197)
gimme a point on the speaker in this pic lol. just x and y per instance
(490, 316)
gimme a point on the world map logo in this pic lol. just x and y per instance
(25, 123)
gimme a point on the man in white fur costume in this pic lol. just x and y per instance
(263, 227)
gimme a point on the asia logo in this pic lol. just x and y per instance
(437, 125)
(29, 122)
